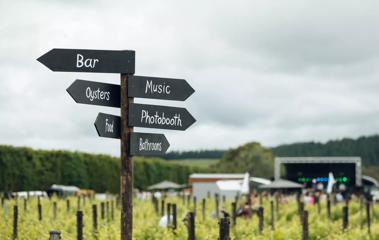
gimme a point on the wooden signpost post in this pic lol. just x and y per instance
(132, 115)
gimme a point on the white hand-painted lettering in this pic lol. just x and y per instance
(97, 94)
(88, 62)
(145, 145)
(157, 88)
(160, 119)
(108, 126)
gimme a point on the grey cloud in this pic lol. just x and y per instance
(269, 71)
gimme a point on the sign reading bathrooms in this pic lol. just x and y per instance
(148, 144)
(85, 60)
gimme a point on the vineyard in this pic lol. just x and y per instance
(100, 219)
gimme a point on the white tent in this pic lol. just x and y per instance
(224, 184)
(245, 188)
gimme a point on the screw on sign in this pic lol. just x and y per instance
(121, 96)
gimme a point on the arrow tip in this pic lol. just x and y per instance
(190, 90)
(168, 146)
(69, 90)
(95, 123)
(44, 59)
(191, 121)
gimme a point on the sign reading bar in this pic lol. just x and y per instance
(108, 125)
(148, 144)
(95, 93)
(159, 88)
(154, 116)
(85, 60)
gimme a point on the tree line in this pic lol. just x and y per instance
(25, 169)
(258, 160)
(200, 154)
(365, 147)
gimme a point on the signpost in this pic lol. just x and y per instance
(122, 96)
(95, 93)
(86, 60)
(108, 125)
(148, 144)
(141, 144)
(159, 88)
(155, 116)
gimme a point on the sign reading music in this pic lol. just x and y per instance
(159, 88)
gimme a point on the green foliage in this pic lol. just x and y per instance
(365, 147)
(201, 163)
(145, 221)
(251, 157)
(27, 169)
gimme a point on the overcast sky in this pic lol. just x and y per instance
(269, 71)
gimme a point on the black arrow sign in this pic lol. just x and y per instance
(108, 125)
(85, 60)
(148, 144)
(95, 93)
(154, 116)
(159, 88)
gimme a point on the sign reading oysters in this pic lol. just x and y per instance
(95, 93)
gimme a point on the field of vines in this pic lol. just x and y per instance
(286, 224)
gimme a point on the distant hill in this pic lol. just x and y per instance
(365, 147)
(252, 156)
(200, 154)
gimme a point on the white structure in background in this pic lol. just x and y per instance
(228, 185)
(245, 189)
(331, 182)
(27, 194)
